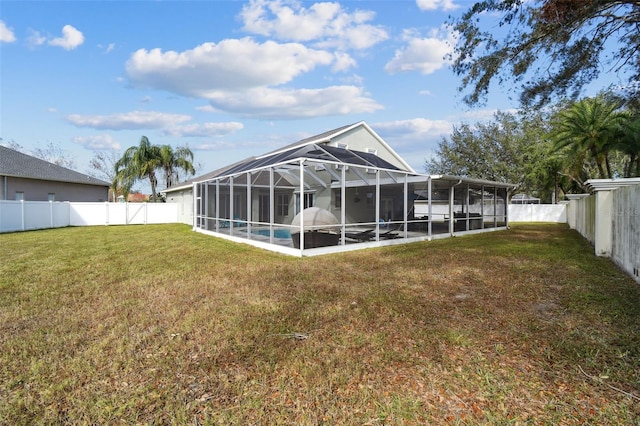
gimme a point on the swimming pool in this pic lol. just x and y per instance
(277, 233)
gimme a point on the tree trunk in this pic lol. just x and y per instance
(153, 181)
(608, 164)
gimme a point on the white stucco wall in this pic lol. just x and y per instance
(184, 200)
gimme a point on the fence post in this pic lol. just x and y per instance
(22, 214)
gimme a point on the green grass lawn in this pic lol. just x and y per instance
(158, 324)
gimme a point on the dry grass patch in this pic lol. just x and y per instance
(157, 324)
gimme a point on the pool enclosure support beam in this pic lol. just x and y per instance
(377, 216)
(205, 186)
(452, 190)
(343, 204)
(200, 206)
(217, 205)
(466, 208)
(495, 206)
(272, 211)
(249, 217)
(430, 207)
(482, 205)
(406, 205)
(301, 206)
(231, 206)
(506, 208)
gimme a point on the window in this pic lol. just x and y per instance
(337, 198)
(309, 200)
(52, 196)
(282, 205)
(19, 196)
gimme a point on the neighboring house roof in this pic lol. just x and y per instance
(311, 147)
(189, 183)
(16, 164)
(137, 198)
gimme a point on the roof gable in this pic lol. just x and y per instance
(16, 164)
(342, 133)
(305, 148)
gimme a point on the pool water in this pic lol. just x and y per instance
(277, 233)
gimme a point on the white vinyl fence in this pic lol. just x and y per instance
(556, 213)
(30, 215)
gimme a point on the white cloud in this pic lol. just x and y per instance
(232, 64)
(129, 120)
(245, 77)
(425, 93)
(35, 39)
(215, 146)
(416, 130)
(97, 142)
(204, 129)
(343, 62)
(6, 34)
(267, 103)
(477, 115)
(425, 55)
(71, 38)
(436, 4)
(206, 108)
(107, 49)
(326, 23)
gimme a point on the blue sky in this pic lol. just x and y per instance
(228, 79)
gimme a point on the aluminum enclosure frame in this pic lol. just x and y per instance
(375, 206)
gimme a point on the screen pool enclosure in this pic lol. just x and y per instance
(319, 199)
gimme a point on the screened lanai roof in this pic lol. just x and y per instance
(313, 152)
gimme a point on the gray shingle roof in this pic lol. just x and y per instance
(16, 164)
(306, 141)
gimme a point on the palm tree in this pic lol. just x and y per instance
(589, 126)
(140, 162)
(173, 160)
(629, 144)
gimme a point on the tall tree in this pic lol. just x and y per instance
(103, 166)
(628, 142)
(53, 153)
(590, 126)
(510, 148)
(174, 160)
(549, 47)
(140, 162)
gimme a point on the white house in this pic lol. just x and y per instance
(339, 190)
